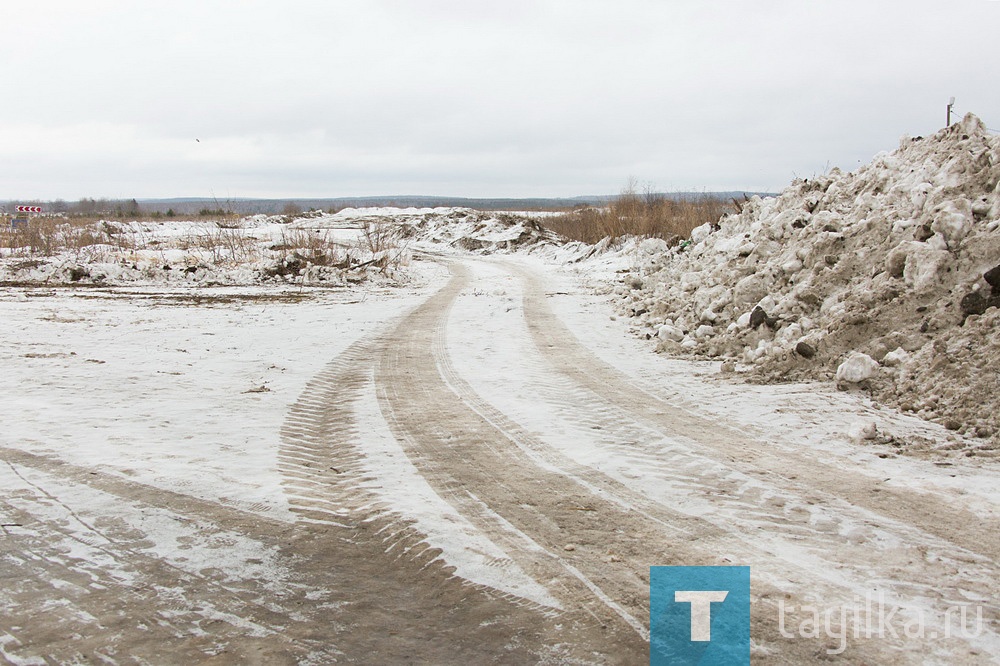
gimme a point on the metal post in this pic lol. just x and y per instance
(951, 103)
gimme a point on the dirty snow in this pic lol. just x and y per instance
(896, 263)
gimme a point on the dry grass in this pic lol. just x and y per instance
(646, 214)
(47, 236)
(50, 235)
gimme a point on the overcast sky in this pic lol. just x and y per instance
(107, 98)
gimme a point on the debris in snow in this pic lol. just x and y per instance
(255, 250)
(805, 350)
(317, 248)
(896, 261)
(467, 229)
(758, 317)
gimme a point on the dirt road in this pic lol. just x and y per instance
(474, 483)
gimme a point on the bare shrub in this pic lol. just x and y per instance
(382, 239)
(314, 247)
(225, 244)
(632, 213)
(378, 236)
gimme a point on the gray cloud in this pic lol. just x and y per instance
(106, 98)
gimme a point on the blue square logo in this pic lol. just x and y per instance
(699, 615)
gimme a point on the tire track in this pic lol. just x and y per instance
(754, 458)
(790, 538)
(923, 557)
(440, 430)
(110, 582)
(328, 478)
(330, 488)
(797, 528)
(590, 537)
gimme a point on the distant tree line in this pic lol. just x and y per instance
(211, 207)
(113, 208)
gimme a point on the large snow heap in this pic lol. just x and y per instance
(885, 278)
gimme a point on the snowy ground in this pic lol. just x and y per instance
(475, 464)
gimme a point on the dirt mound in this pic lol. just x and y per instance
(886, 278)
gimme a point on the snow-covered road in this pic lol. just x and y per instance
(478, 467)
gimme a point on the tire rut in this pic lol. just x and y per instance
(327, 483)
(789, 536)
(588, 537)
(741, 451)
(829, 534)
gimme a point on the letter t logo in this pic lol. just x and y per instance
(701, 610)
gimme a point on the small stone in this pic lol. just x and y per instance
(974, 303)
(992, 277)
(757, 317)
(805, 350)
(569, 547)
(952, 424)
(924, 232)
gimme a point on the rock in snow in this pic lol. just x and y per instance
(805, 350)
(898, 260)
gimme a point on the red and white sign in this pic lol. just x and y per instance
(29, 209)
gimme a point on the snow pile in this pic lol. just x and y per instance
(886, 278)
(481, 232)
(351, 245)
(259, 249)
